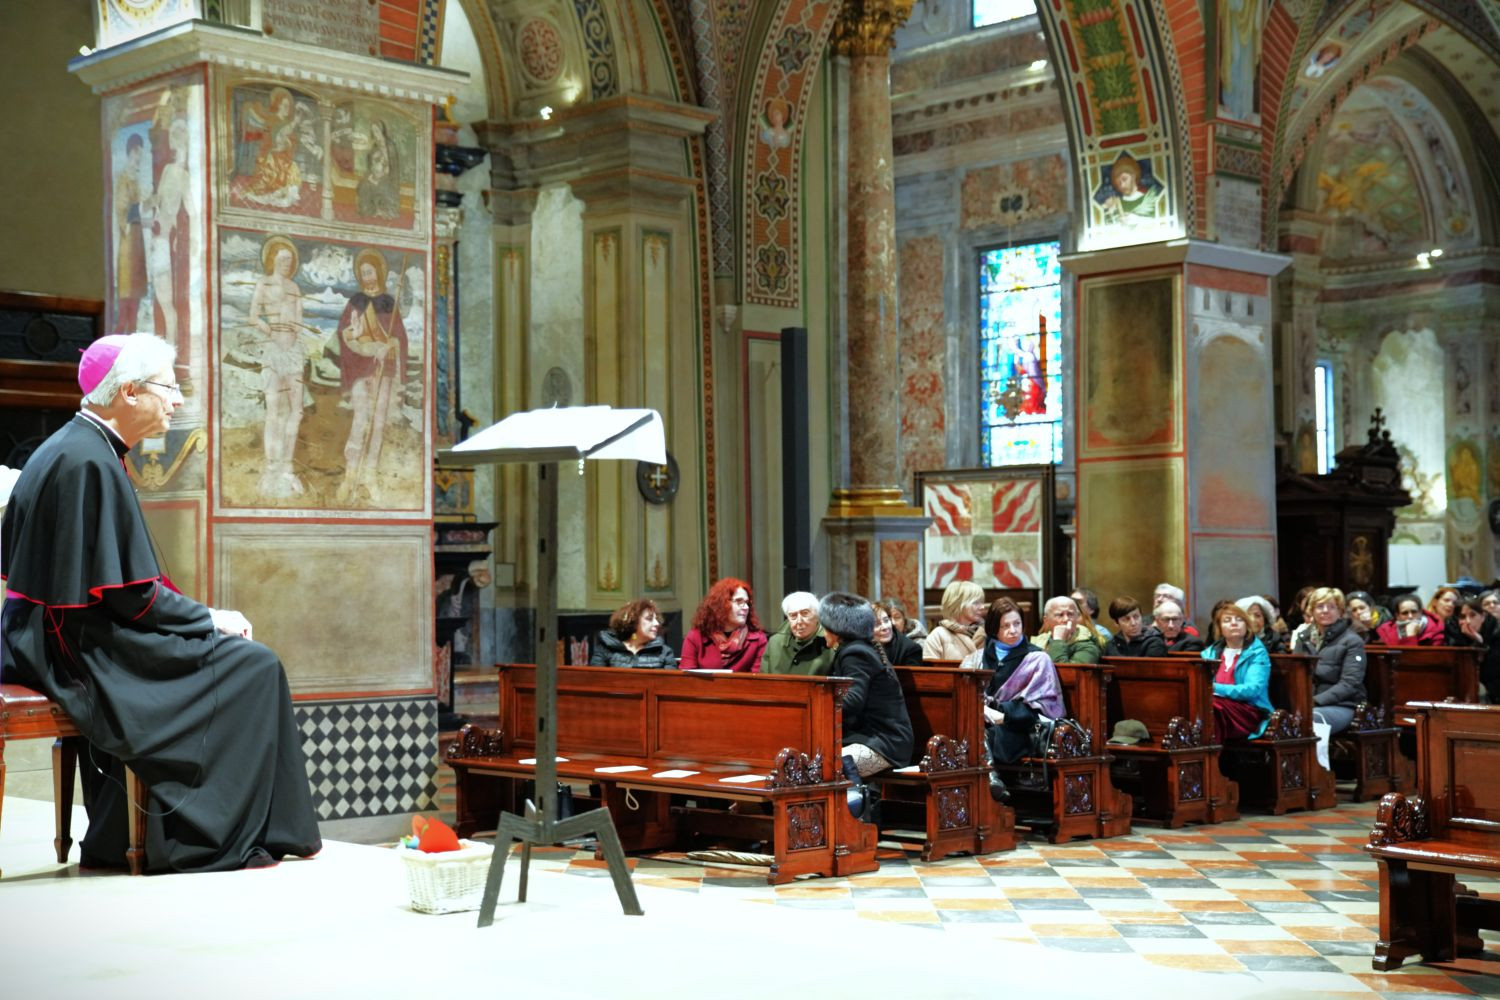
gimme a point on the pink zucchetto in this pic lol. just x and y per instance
(98, 358)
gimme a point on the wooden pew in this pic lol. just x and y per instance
(947, 790)
(786, 730)
(1368, 749)
(1448, 829)
(1175, 779)
(1070, 793)
(1279, 770)
(1436, 673)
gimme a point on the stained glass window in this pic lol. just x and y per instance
(1020, 355)
(987, 12)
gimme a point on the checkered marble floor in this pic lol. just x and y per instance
(1290, 900)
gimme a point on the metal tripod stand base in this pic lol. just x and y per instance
(536, 830)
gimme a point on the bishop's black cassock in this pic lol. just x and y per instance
(203, 718)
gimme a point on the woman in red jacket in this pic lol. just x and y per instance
(726, 634)
(1412, 627)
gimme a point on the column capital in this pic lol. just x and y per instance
(868, 27)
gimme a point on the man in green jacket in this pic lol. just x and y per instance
(798, 647)
(1064, 639)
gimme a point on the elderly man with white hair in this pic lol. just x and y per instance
(153, 679)
(1064, 637)
(1172, 592)
(799, 646)
(1170, 620)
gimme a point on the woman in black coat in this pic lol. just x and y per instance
(1481, 629)
(877, 730)
(900, 650)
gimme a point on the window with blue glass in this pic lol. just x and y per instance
(987, 12)
(1020, 355)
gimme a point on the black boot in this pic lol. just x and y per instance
(998, 791)
(858, 789)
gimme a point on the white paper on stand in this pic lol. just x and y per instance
(674, 773)
(742, 779)
(532, 760)
(619, 769)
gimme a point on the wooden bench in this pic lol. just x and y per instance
(1448, 829)
(1368, 750)
(624, 732)
(1175, 779)
(1069, 793)
(947, 789)
(1279, 770)
(1429, 674)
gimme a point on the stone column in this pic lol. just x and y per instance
(874, 530)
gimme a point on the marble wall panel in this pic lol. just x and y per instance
(1129, 361)
(1131, 531)
(1231, 447)
(923, 357)
(1009, 194)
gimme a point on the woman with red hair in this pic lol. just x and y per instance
(726, 634)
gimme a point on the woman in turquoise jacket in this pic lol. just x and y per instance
(1242, 704)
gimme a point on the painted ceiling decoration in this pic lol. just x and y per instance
(1122, 119)
(772, 135)
(1390, 178)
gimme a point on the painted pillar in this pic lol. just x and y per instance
(873, 529)
(270, 211)
(1176, 457)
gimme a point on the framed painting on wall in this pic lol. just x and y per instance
(991, 526)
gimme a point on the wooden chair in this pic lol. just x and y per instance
(27, 714)
(1367, 750)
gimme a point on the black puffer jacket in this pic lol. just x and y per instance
(610, 651)
(903, 651)
(874, 707)
(1339, 677)
(1148, 643)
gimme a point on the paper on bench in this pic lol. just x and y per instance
(909, 769)
(619, 769)
(674, 773)
(742, 779)
(532, 760)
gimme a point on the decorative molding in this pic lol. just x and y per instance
(794, 769)
(194, 42)
(945, 754)
(1181, 736)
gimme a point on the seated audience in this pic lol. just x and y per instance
(1260, 613)
(1024, 689)
(1444, 607)
(1339, 676)
(1088, 609)
(1135, 637)
(877, 730)
(726, 634)
(799, 646)
(1481, 629)
(908, 626)
(1172, 592)
(1063, 638)
(1490, 601)
(1169, 619)
(1277, 622)
(1242, 701)
(900, 650)
(957, 635)
(633, 639)
(1412, 626)
(1365, 616)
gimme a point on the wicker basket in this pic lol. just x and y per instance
(448, 882)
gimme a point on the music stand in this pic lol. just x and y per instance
(547, 438)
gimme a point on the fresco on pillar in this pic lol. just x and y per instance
(156, 235)
(1128, 356)
(325, 157)
(322, 364)
(156, 241)
(1239, 59)
(1230, 428)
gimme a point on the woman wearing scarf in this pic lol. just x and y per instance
(900, 650)
(1242, 704)
(1365, 616)
(726, 634)
(1023, 690)
(1339, 677)
(957, 635)
(1412, 626)
(1444, 607)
